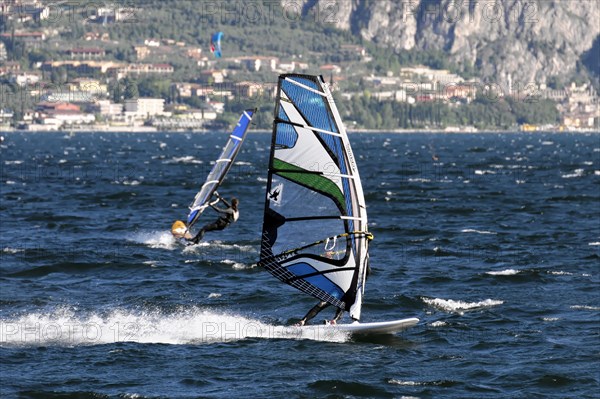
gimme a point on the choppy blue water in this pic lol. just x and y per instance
(492, 240)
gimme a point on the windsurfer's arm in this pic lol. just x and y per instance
(220, 210)
(227, 204)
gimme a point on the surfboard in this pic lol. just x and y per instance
(373, 328)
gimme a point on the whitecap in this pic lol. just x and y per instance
(404, 383)
(477, 231)
(214, 295)
(450, 305)
(235, 265)
(155, 239)
(576, 173)
(438, 324)
(560, 273)
(10, 250)
(16, 162)
(131, 183)
(594, 243)
(484, 172)
(419, 180)
(151, 263)
(185, 160)
(550, 318)
(585, 307)
(507, 272)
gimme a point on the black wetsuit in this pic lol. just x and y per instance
(227, 216)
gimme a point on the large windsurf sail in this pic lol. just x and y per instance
(221, 167)
(315, 235)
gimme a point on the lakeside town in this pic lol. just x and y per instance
(91, 82)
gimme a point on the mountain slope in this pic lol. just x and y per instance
(529, 41)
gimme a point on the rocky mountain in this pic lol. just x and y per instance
(522, 41)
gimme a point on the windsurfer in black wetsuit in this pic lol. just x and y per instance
(226, 217)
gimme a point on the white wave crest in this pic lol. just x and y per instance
(185, 160)
(507, 272)
(66, 327)
(594, 243)
(484, 172)
(155, 239)
(560, 273)
(585, 307)
(404, 383)
(549, 319)
(131, 183)
(9, 250)
(576, 173)
(477, 231)
(236, 265)
(453, 306)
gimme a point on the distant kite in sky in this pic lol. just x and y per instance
(215, 44)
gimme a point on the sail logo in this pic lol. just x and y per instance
(275, 194)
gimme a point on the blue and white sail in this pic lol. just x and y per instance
(315, 235)
(221, 167)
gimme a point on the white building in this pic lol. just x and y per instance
(145, 106)
(108, 108)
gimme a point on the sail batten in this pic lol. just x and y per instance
(220, 168)
(315, 234)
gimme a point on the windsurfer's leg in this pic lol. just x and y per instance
(338, 315)
(313, 312)
(218, 224)
(198, 236)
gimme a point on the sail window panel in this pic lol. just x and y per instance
(230, 149)
(213, 180)
(298, 198)
(332, 248)
(282, 115)
(286, 136)
(312, 106)
(296, 234)
(302, 80)
(320, 281)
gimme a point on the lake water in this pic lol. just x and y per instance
(491, 240)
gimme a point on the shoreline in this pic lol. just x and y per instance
(265, 131)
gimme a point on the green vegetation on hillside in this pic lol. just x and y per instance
(265, 29)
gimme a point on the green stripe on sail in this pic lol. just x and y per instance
(311, 180)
